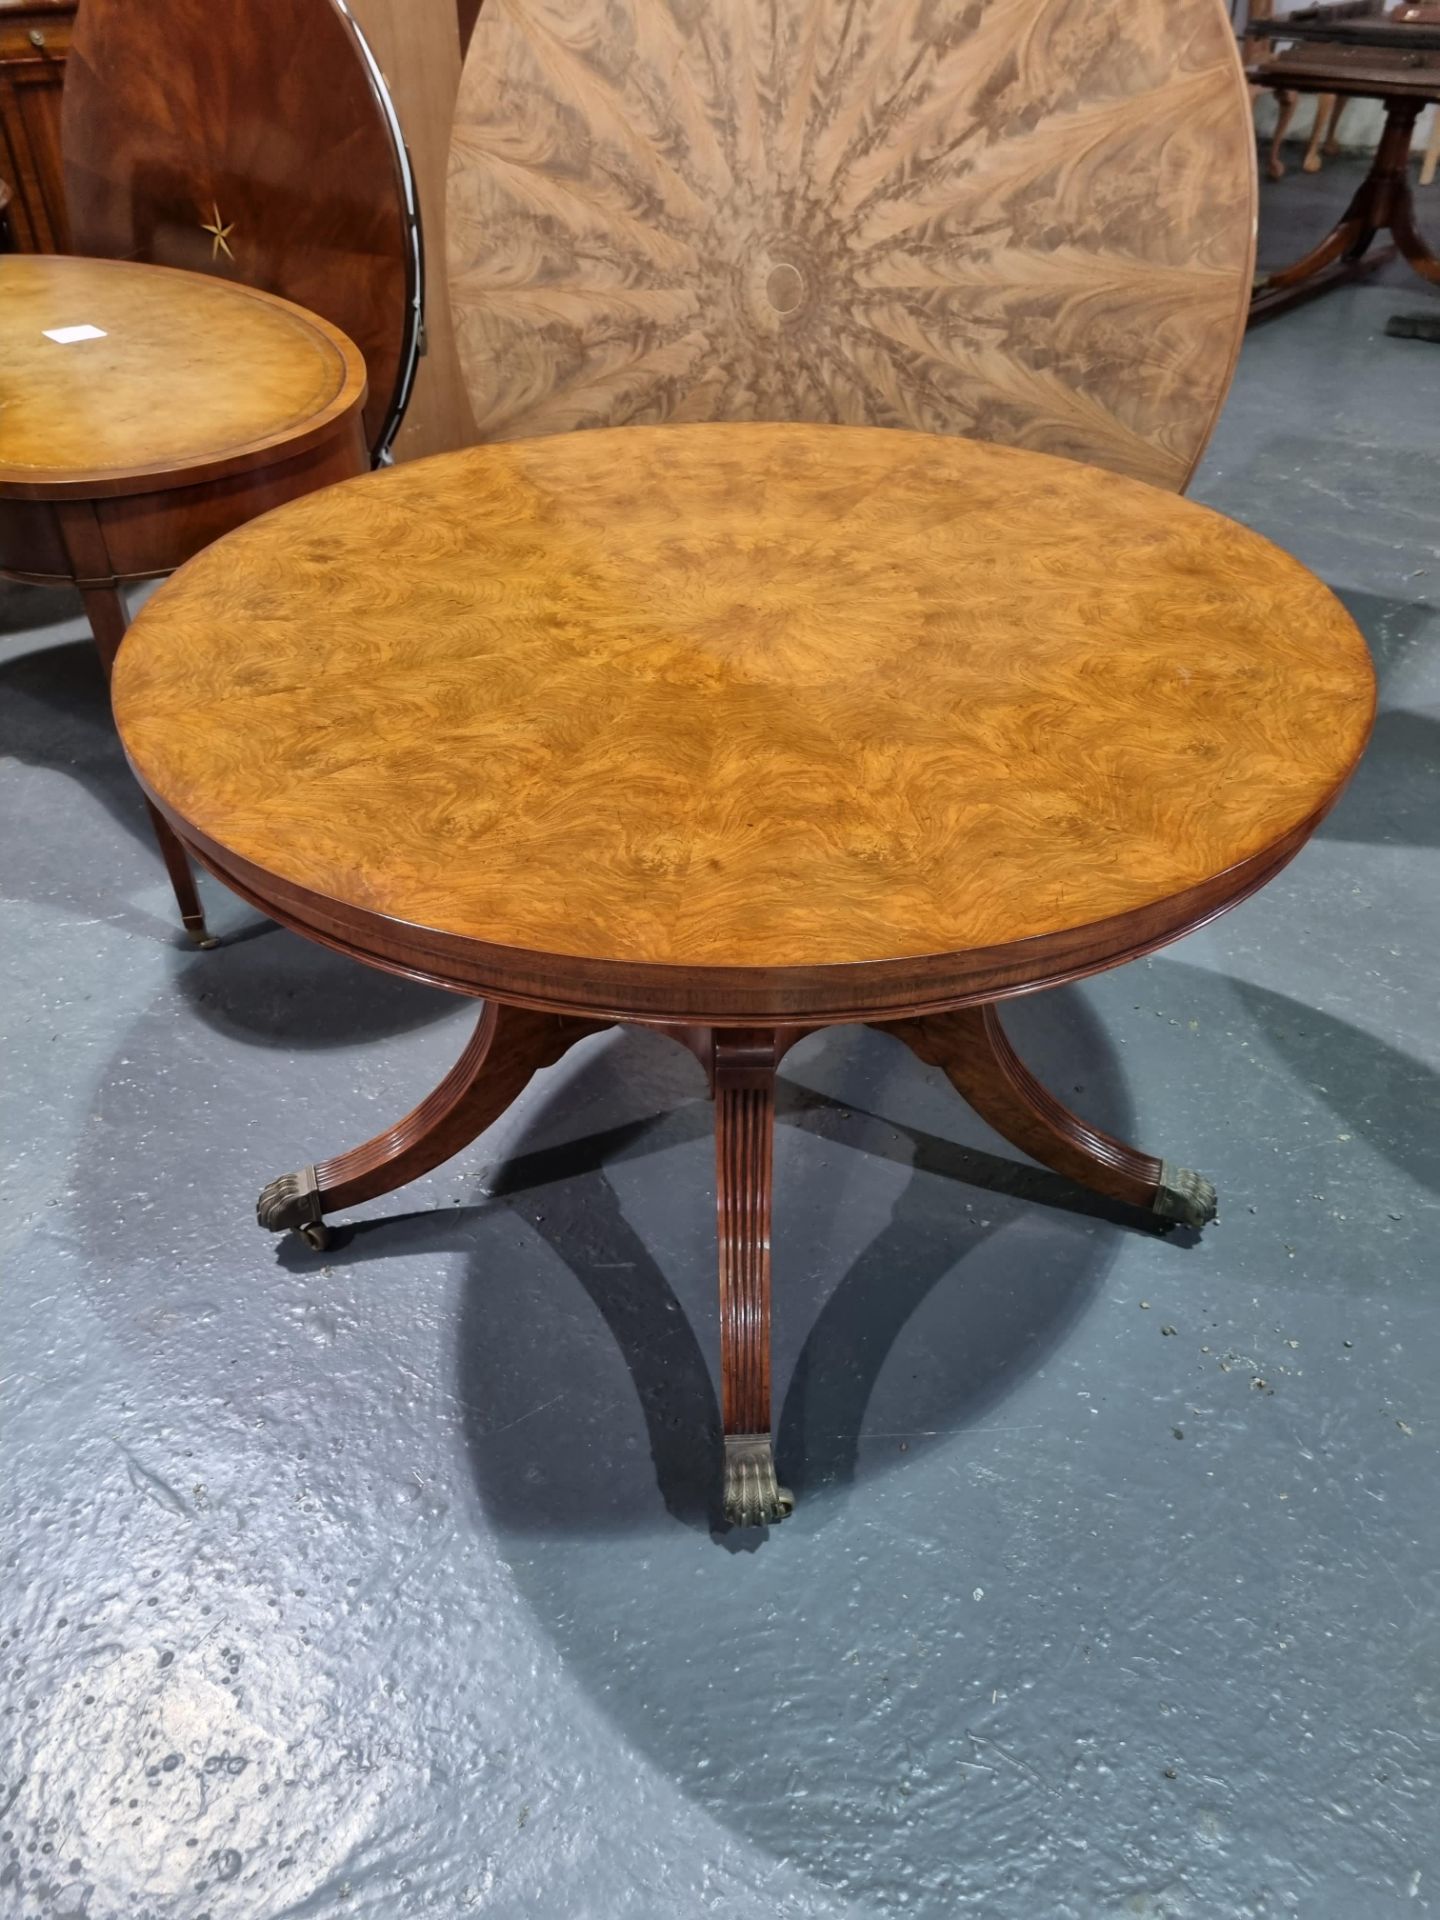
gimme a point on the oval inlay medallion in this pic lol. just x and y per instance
(785, 288)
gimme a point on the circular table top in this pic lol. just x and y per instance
(744, 717)
(163, 374)
(1027, 221)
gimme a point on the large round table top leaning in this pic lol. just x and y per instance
(1028, 221)
(734, 731)
(258, 144)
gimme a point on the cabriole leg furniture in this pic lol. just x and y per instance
(735, 732)
(143, 412)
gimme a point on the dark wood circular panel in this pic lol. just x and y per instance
(805, 714)
(1028, 221)
(257, 143)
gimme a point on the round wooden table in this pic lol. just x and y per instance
(144, 412)
(739, 731)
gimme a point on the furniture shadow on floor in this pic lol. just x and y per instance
(55, 713)
(26, 608)
(1013, 1317)
(289, 995)
(586, 1344)
(528, 1355)
(1394, 798)
(1389, 1098)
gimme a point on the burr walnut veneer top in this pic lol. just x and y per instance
(193, 376)
(742, 697)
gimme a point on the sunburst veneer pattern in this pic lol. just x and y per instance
(1027, 221)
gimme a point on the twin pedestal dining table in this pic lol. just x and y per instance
(736, 732)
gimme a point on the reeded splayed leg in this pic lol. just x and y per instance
(971, 1048)
(509, 1045)
(743, 1065)
(106, 612)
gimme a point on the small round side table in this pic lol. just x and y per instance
(144, 412)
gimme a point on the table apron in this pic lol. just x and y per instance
(679, 996)
(138, 535)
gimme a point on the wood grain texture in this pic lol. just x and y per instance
(34, 48)
(748, 699)
(507, 1049)
(1353, 73)
(199, 406)
(972, 1049)
(252, 143)
(417, 45)
(744, 1066)
(152, 532)
(1030, 221)
(193, 379)
(743, 1082)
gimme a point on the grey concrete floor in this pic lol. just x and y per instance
(382, 1583)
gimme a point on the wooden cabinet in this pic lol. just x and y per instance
(34, 41)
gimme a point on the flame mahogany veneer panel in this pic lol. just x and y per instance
(1028, 221)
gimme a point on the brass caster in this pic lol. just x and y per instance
(753, 1496)
(201, 935)
(293, 1200)
(1186, 1198)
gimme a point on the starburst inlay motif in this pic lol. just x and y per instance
(1024, 220)
(219, 231)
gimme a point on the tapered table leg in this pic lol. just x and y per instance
(743, 1067)
(509, 1046)
(971, 1048)
(106, 612)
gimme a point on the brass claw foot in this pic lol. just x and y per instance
(293, 1200)
(1187, 1198)
(753, 1496)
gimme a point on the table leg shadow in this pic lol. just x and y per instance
(510, 1045)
